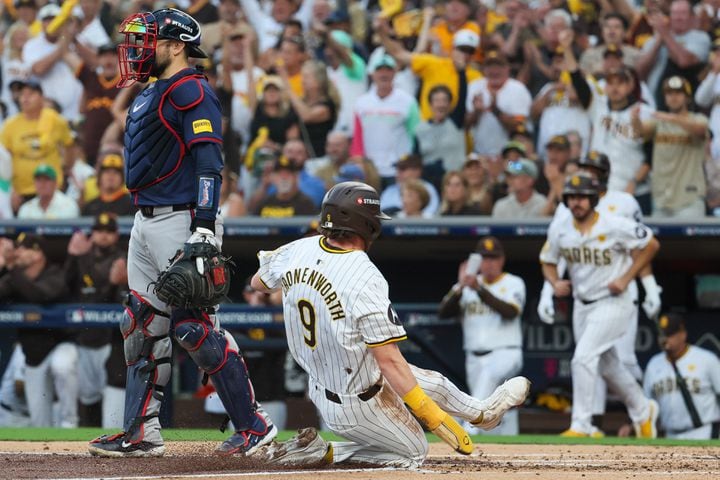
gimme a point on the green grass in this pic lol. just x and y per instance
(85, 434)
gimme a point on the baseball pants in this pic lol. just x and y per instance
(484, 374)
(56, 374)
(13, 408)
(154, 241)
(599, 325)
(382, 431)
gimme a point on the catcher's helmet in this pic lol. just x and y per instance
(143, 30)
(583, 184)
(352, 207)
(598, 161)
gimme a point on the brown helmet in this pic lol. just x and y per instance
(583, 184)
(352, 207)
(598, 161)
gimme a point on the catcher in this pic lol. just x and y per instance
(173, 150)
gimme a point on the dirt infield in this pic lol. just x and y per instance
(185, 460)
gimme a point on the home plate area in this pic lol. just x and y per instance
(185, 460)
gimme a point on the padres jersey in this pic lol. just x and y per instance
(701, 370)
(614, 136)
(484, 328)
(336, 307)
(598, 257)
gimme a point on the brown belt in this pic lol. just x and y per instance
(364, 396)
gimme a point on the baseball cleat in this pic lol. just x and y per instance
(510, 394)
(247, 442)
(305, 448)
(118, 446)
(648, 428)
(570, 433)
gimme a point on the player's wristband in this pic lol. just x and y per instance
(198, 222)
(424, 407)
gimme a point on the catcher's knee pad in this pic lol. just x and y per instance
(218, 356)
(147, 353)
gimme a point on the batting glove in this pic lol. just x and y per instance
(546, 306)
(652, 302)
(438, 421)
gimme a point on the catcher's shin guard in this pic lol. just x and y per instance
(217, 354)
(147, 353)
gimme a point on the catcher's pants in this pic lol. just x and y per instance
(92, 375)
(56, 374)
(381, 430)
(599, 326)
(484, 374)
(154, 241)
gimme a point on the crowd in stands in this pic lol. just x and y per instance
(465, 107)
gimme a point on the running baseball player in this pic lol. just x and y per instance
(611, 202)
(489, 303)
(685, 381)
(343, 330)
(604, 253)
(173, 149)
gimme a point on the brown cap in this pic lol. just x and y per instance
(559, 141)
(622, 72)
(670, 324)
(408, 161)
(106, 221)
(490, 247)
(32, 241)
(494, 57)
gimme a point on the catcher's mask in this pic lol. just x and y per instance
(352, 207)
(136, 53)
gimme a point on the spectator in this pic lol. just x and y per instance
(440, 141)
(496, 104)
(510, 35)
(26, 13)
(293, 56)
(557, 159)
(288, 200)
(310, 185)
(6, 210)
(91, 31)
(385, 120)
(13, 70)
(239, 75)
(705, 97)
(614, 30)
(274, 121)
(50, 203)
(348, 72)
(409, 167)
(112, 196)
(46, 54)
(522, 135)
(317, 109)
(557, 109)
(95, 272)
(513, 151)
(612, 128)
(99, 80)
(489, 304)
(680, 138)
(415, 198)
(675, 48)
(523, 201)
(14, 412)
(456, 17)
(613, 60)
(230, 17)
(270, 25)
(232, 202)
(685, 381)
(455, 71)
(456, 196)
(337, 156)
(479, 191)
(535, 71)
(36, 134)
(27, 276)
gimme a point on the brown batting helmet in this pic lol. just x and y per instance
(352, 207)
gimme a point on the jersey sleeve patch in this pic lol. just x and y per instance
(201, 126)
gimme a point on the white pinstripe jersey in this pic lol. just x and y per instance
(701, 370)
(483, 328)
(336, 305)
(598, 257)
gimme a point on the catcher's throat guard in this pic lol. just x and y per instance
(198, 277)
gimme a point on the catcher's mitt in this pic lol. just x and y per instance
(198, 277)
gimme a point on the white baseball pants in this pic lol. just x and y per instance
(56, 374)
